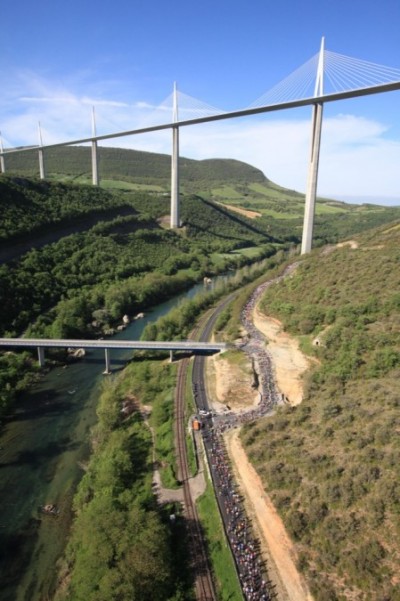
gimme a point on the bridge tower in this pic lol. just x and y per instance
(175, 221)
(2, 162)
(311, 191)
(41, 155)
(95, 163)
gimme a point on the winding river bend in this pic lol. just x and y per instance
(44, 444)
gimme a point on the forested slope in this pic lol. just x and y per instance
(332, 464)
(110, 256)
(28, 207)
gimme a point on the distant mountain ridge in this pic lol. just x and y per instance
(131, 165)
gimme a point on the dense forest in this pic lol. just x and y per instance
(331, 464)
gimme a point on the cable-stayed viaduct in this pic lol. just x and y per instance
(347, 78)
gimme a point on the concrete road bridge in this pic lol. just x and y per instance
(42, 343)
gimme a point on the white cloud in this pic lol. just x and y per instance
(357, 155)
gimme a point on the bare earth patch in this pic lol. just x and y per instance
(229, 383)
(351, 243)
(288, 361)
(277, 548)
(245, 212)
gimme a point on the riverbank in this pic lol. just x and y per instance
(45, 441)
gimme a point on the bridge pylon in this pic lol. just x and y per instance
(175, 220)
(316, 128)
(41, 155)
(95, 162)
(2, 162)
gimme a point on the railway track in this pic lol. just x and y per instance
(204, 585)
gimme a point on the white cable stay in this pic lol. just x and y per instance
(342, 73)
(188, 108)
(296, 85)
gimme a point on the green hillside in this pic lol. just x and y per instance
(80, 242)
(133, 166)
(332, 464)
(234, 183)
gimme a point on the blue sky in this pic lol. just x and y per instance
(58, 59)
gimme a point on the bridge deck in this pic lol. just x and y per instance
(184, 345)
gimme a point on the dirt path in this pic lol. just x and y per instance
(269, 527)
(245, 212)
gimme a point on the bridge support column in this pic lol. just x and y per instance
(175, 179)
(171, 356)
(2, 162)
(41, 358)
(175, 166)
(41, 164)
(41, 155)
(107, 370)
(311, 192)
(95, 164)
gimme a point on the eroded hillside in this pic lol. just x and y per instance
(331, 464)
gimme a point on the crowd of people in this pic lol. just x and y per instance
(254, 346)
(251, 569)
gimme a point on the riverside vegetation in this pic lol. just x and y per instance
(123, 545)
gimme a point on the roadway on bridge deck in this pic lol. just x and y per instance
(184, 345)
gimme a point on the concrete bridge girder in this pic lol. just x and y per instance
(42, 343)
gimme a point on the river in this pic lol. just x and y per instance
(44, 444)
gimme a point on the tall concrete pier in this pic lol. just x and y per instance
(311, 191)
(41, 155)
(95, 163)
(2, 162)
(175, 219)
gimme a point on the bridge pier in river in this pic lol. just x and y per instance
(41, 359)
(107, 370)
